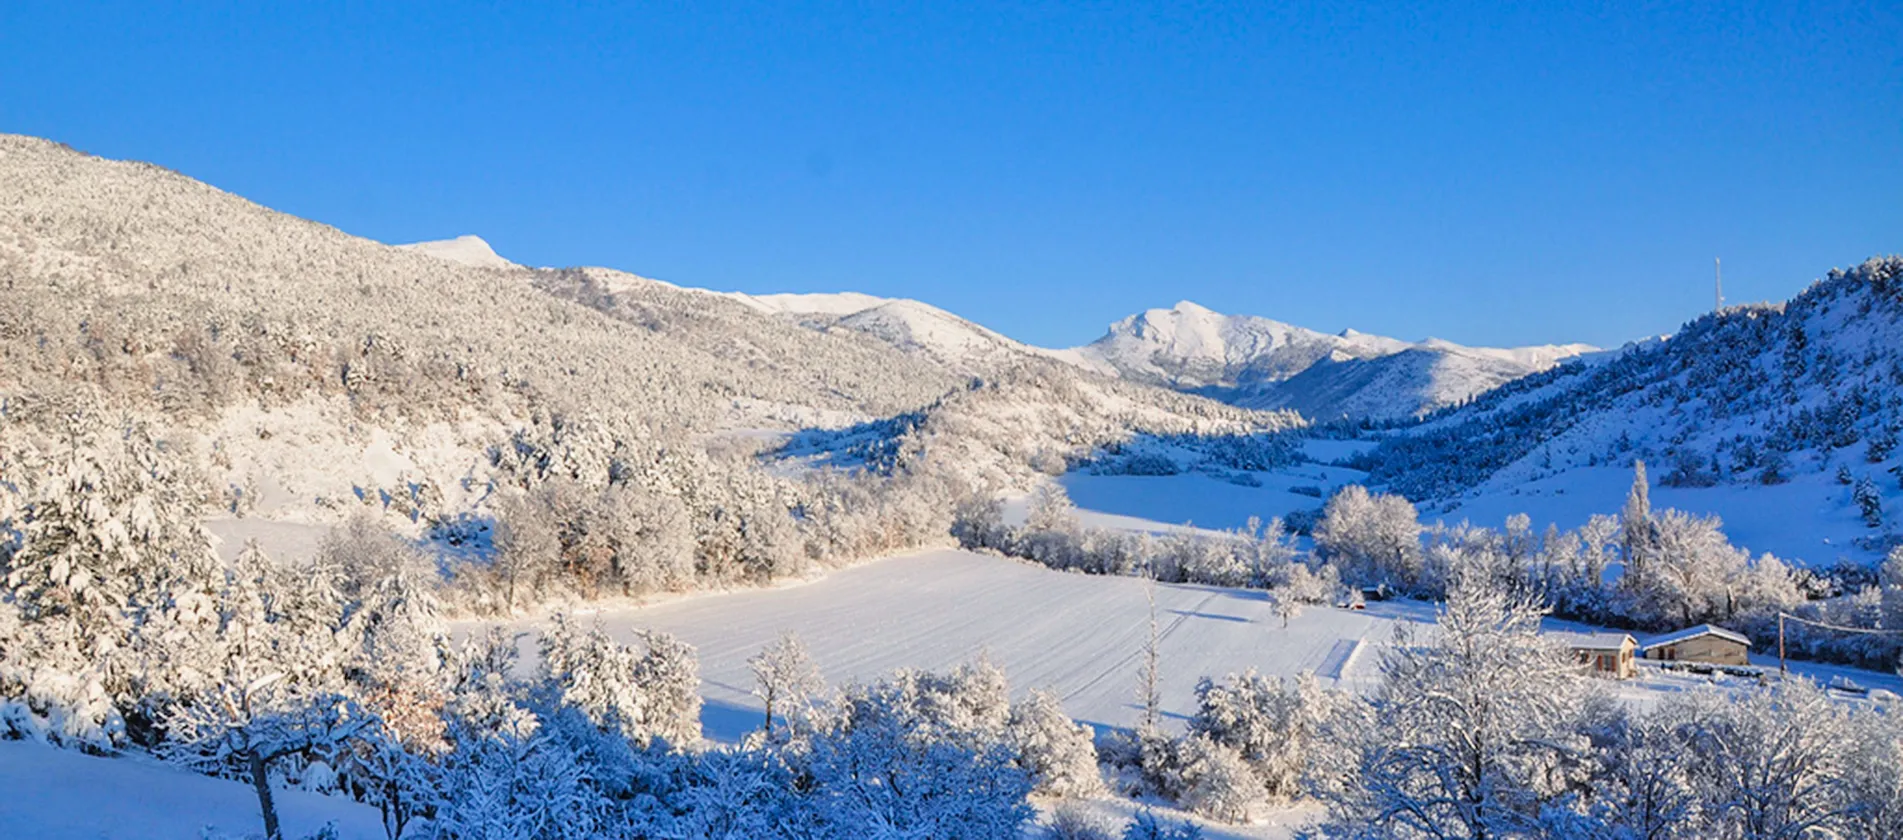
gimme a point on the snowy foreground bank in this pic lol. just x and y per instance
(47, 793)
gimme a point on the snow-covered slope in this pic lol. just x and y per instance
(1733, 407)
(914, 327)
(1246, 360)
(313, 370)
(1263, 363)
(56, 794)
(464, 250)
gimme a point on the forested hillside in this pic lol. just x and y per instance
(1754, 395)
(297, 373)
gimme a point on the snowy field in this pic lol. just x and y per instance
(56, 794)
(1080, 635)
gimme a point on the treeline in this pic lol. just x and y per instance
(1643, 569)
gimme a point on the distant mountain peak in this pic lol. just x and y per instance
(1260, 362)
(467, 250)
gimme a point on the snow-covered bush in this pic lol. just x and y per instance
(1058, 753)
(877, 771)
(512, 786)
(643, 696)
(1272, 724)
(1071, 821)
(1146, 826)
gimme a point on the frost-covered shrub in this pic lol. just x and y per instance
(1146, 826)
(1203, 776)
(1071, 821)
(879, 773)
(1214, 781)
(1272, 724)
(652, 694)
(511, 786)
(1057, 752)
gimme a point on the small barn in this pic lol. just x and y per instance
(1610, 655)
(1704, 643)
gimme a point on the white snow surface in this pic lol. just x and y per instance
(466, 250)
(1203, 500)
(1079, 635)
(58, 794)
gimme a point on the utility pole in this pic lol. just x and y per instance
(1783, 670)
(1718, 274)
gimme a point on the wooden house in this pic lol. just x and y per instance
(1610, 655)
(1704, 643)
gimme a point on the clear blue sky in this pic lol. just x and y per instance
(1491, 174)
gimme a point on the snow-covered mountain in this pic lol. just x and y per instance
(917, 328)
(471, 251)
(1262, 363)
(1244, 360)
(309, 370)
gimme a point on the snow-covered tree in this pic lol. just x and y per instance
(1471, 732)
(647, 695)
(1636, 534)
(785, 679)
(1642, 785)
(107, 565)
(1373, 538)
(1058, 753)
(401, 782)
(1873, 776)
(513, 786)
(1272, 724)
(1770, 763)
(1869, 502)
(246, 725)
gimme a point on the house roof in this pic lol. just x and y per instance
(1690, 633)
(1591, 641)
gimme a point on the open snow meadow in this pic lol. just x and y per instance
(1083, 637)
(1080, 636)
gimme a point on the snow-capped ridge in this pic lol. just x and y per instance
(469, 250)
(1259, 362)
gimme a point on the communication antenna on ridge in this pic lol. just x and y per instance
(1718, 273)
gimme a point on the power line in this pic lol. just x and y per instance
(1782, 617)
(1875, 631)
